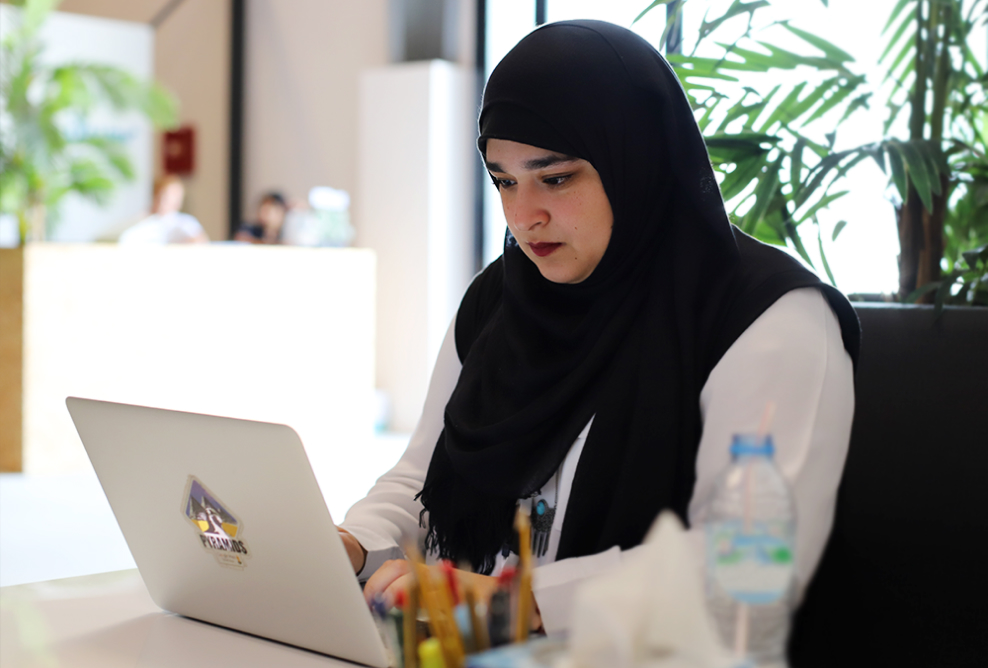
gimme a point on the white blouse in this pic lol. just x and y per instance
(793, 354)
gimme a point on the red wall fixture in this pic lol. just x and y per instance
(178, 150)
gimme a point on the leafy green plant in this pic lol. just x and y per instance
(775, 147)
(965, 285)
(40, 162)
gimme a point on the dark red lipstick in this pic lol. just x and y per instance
(543, 249)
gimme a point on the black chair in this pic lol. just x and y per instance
(904, 578)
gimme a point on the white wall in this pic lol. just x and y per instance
(192, 59)
(303, 60)
(140, 11)
(304, 127)
(303, 63)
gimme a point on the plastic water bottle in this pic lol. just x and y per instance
(750, 531)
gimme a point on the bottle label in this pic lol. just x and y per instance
(753, 567)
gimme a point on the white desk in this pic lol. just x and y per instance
(109, 621)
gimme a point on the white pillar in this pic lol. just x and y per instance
(415, 200)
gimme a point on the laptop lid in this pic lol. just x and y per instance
(227, 524)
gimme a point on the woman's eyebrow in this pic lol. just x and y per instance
(547, 161)
(534, 163)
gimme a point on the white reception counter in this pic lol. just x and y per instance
(275, 334)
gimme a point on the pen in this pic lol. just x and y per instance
(449, 575)
(523, 622)
(452, 641)
(436, 597)
(500, 609)
(409, 633)
(477, 615)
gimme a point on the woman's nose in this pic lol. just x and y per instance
(528, 210)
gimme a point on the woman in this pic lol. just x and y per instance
(166, 224)
(601, 365)
(271, 212)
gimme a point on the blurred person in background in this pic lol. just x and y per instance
(166, 224)
(267, 229)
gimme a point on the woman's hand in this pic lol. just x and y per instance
(393, 576)
(396, 575)
(354, 550)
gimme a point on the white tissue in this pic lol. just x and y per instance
(650, 612)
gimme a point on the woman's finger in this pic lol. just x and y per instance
(401, 584)
(384, 577)
(483, 586)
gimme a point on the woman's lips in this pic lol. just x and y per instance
(543, 249)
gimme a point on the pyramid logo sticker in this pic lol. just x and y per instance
(219, 529)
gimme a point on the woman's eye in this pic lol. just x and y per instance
(502, 183)
(555, 180)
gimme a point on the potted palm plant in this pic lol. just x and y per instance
(919, 386)
(40, 163)
(775, 147)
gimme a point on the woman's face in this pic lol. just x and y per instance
(271, 214)
(555, 207)
(170, 198)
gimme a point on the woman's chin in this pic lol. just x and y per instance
(561, 275)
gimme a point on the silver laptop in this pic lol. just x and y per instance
(227, 525)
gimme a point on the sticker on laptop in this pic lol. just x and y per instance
(220, 532)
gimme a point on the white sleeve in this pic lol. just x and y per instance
(191, 227)
(390, 512)
(793, 354)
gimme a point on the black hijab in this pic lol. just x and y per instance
(633, 344)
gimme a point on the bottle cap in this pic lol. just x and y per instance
(752, 445)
